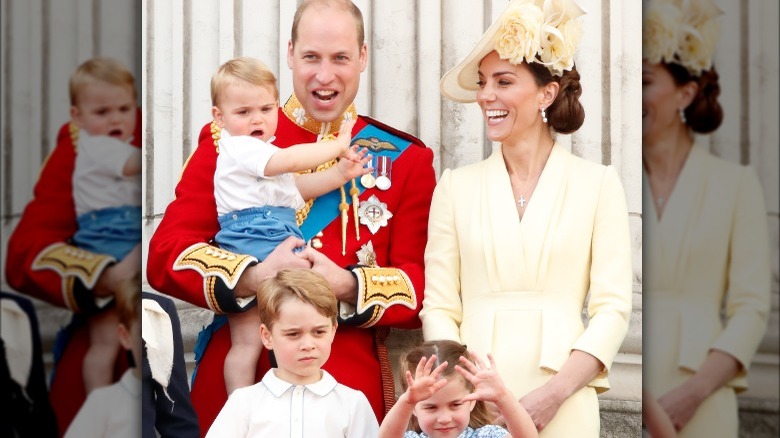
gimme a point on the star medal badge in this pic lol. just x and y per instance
(366, 255)
(374, 214)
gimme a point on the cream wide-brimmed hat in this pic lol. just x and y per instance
(541, 31)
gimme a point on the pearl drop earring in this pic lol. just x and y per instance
(544, 115)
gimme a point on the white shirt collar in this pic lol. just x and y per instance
(277, 386)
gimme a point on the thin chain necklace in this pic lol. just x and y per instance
(522, 200)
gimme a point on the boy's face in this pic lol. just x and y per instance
(247, 109)
(105, 109)
(300, 338)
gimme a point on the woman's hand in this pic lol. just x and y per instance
(680, 404)
(542, 404)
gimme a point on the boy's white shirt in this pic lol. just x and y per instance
(240, 181)
(110, 411)
(97, 178)
(273, 407)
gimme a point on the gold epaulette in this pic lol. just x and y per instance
(383, 287)
(211, 261)
(70, 261)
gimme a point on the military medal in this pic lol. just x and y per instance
(366, 255)
(374, 214)
(383, 170)
(368, 180)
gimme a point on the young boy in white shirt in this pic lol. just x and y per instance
(297, 399)
(115, 410)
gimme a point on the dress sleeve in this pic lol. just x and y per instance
(749, 275)
(442, 311)
(609, 305)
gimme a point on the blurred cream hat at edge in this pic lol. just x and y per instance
(683, 32)
(541, 31)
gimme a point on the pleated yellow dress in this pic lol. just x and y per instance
(517, 288)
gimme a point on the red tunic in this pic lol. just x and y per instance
(39, 264)
(355, 359)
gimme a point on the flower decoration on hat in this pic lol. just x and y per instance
(683, 32)
(542, 31)
(539, 31)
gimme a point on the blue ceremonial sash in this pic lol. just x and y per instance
(326, 207)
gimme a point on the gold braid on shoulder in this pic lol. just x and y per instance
(74, 135)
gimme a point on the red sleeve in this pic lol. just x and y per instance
(185, 232)
(49, 220)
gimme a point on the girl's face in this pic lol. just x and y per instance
(509, 97)
(444, 414)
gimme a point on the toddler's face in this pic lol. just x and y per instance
(444, 414)
(105, 109)
(301, 339)
(247, 109)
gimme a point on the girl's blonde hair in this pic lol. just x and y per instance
(449, 351)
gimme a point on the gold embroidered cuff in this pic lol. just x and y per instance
(70, 261)
(211, 261)
(383, 287)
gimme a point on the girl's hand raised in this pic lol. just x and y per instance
(425, 382)
(488, 385)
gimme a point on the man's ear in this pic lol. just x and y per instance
(290, 58)
(265, 336)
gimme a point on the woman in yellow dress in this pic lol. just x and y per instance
(705, 232)
(516, 242)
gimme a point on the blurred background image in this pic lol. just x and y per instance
(710, 207)
(71, 162)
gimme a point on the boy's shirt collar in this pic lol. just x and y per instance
(278, 386)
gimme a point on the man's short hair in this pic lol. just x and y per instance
(345, 5)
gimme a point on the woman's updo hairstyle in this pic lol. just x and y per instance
(566, 114)
(704, 114)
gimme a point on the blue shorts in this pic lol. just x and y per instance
(257, 230)
(114, 230)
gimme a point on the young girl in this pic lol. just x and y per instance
(453, 405)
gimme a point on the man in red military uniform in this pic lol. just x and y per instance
(42, 262)
(382, 285)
